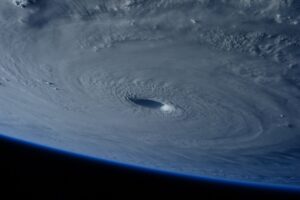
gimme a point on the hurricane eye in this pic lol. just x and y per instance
(148, 103)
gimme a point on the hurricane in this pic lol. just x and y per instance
(200, 87)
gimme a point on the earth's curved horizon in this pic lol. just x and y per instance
(181, 178)
(201, 87)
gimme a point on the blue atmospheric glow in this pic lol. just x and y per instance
(233, 183)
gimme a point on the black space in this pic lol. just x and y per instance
(38, 172)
